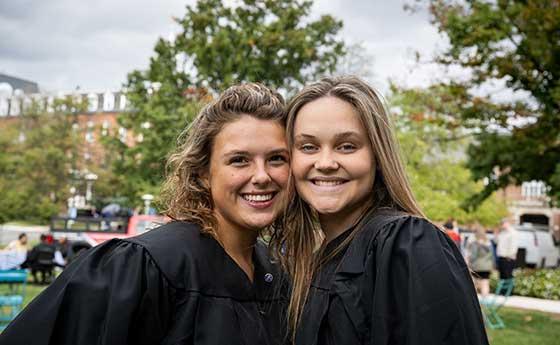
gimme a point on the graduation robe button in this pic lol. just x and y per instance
(268, 278)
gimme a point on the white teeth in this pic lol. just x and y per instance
(327, 183)
(257, 197)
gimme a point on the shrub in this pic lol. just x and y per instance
(540, 283)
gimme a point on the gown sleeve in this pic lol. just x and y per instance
(112, 294)
(424, 293)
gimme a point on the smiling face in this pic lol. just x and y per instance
(248, 173)
(332, 159)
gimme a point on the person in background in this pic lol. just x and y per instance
(15, 254)
(452, 230)
(40, 260)
(63, 245)
(480, 259)
(18, 245)
(506, 249)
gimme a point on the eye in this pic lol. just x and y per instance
(347, 147)
(278, 159)
(307, 148)
(238, 161)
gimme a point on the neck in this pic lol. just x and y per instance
(239, 245)
(335, 224)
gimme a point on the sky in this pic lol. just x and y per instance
(63, 44)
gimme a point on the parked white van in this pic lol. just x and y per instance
(536, 247)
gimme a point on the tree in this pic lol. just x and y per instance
(39, 152)
(273, 42)
(516, 43)
(432, 146)
(356, 61)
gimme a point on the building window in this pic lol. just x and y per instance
(93, 102)
(122, 134)
(108, 101)
(15, 106)
(533, 189)
(122, 102)
(50, 104)
(105, 128)
(4, 106)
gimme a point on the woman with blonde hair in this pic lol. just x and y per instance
(203, 278)
(480, 259)
(383, 273)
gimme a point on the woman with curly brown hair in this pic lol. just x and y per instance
(203, 278)
(366, 266)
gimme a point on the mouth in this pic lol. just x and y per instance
(328, 182)
(259, 200)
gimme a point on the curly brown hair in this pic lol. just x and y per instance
(185, 194)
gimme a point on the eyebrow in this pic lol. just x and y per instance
(247, 153)
(338, 136)
(278, 151)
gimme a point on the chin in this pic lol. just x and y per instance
(257, 224)
(326, 209)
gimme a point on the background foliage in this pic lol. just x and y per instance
(433, 148)
(37, 155)
(514, 44)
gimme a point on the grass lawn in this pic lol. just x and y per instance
(522, 327)
(526, 328)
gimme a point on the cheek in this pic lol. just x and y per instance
(300, 165)
(280, 175)
(227, 181)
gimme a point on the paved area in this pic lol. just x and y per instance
(531, 303)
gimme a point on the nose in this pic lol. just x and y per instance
(260, 175)
(326, 161)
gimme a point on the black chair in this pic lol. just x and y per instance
(41, 260)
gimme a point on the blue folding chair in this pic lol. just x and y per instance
(491, 305)
(11, 295)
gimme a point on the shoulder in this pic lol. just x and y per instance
(409, 237)
(175, 248)
(173, 236)
(383, 232)
(396, 225)
(414, 244)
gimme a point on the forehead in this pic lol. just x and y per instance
(250, 134)
(328, 116)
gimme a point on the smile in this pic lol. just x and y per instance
(258, 197)
(327, 183)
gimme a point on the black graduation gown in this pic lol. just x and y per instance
(400, 281)
(171, 285)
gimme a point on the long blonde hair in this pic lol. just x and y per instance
(296, 242)
(185, 195)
